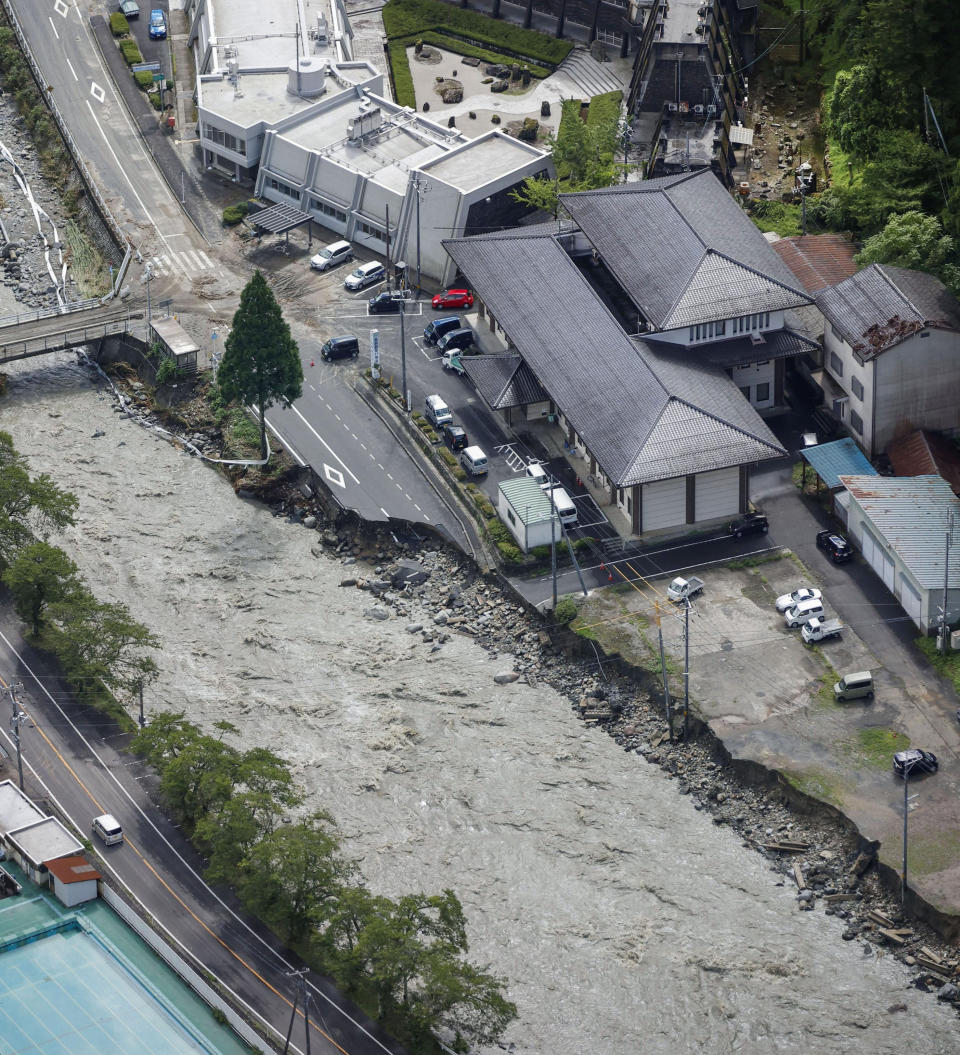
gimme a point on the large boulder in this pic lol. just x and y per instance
(408, 573)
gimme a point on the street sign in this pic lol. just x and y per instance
(157, 77)
(375, 354)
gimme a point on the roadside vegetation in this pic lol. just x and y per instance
(402, 959)
(894, 181)
(102, 651)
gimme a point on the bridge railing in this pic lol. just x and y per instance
(67, 338)
(49, 313)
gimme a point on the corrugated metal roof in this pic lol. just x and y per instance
(923, 453)
(881, 306)
(683, 250)
(830, 461)
(818, 260)
(912, 513)
(612, 390)
(530, 503)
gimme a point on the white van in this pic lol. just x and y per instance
(854, 686)
(473, 460)
(333, 255)
(803, 612)
(437, 411)
(564, 505)
(536, 472)
(107, 827)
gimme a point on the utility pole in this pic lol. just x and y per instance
(140, 691)
(419, 184)
(301, 977)
(908, 766)
(15, 720)
(403, 357)
(942, 634)
(686, 670)
(148, 274)
(389, 283)
(663, 672)
(553, 544)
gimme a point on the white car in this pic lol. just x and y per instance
(804, 593)
(368, 274)
(333, 255)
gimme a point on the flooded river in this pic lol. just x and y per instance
(626, 921)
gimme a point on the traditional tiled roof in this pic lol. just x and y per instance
(817, 260)
(881, 306)
(683, 250)
(645, 414)
(503, 380)
(913, 514)
(923, 453)
(778, 344)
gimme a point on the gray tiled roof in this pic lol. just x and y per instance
(634, 408)
(683, 250)
(503, 380)
(881, 306)
(778, 344)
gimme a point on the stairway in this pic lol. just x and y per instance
(586, 76)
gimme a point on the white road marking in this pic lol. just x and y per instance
(98, 93)
(327, 445)
(62, 10)
(334, 475)
(389, 477)
(289, 446)
(72, 70)
(364, 446)
(385, 513)
(206, 260)
(53, 27)
(417, 508)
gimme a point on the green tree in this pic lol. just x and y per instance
(200, 779)
(29, 505)
(98, 641)
(261, 361)
(164, 738)
(912, 240)
(39, 575)
(293, 873)
(864, 102)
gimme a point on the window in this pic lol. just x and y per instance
(371, 231)
(283, 188)
(328, 210)
(745, 389)
(763, 392)
(224, 139)
(856, 387)
(511, 517)
(750, 323)
(629, 505)
(856, 422)
(836, 364)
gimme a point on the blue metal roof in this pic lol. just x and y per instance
(843, 457)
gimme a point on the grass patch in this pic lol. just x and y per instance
(461, 47)
(817, 784)
(604, 108)
(781, 217)
(589, 632)
(928, 854)
(90, 270)
(876, 746)
(755, 562)
(946, 664)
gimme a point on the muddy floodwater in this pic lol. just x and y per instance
(626, 921)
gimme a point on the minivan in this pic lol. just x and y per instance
(107, 827)
(538, 474)
(333, 255)
(854, 686)
(564, 505)
(368, 274)
(455, 339)
(439, 327)
(345, 347)
(474, 461)
(802, 612)
(437, 411)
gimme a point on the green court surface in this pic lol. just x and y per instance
(79, 981)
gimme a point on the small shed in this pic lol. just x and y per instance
(527, 512)
(74, 879)
(38, 842)
(176, 342)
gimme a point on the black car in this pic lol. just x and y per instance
(835, 546)
(345, 347)
(750, 524)
(455, 437)
(915, 761)
(387, 302)
(440, 327)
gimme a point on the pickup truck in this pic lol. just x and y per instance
(451, 361)
(684, 589)
(820, 630)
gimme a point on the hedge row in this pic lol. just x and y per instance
(604, 108)
(413, 18)
(130, 52)
(461, 47)
(119, 24)
(402, 77)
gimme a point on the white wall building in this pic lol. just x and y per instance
(313, 129)
(526, 510)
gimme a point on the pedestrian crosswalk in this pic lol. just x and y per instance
(185, 262)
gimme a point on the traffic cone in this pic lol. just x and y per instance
(311, 362)
(603, 566)
(610, 576)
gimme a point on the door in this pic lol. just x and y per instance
(664, 503)
(910, 599)
(718, 494)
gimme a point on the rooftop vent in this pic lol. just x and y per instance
(308, 79)
(370, 119)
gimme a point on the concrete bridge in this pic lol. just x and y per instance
(39, 332)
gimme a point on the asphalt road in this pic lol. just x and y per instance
(73, 754)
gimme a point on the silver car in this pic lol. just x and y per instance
(804, 593)
(368, 274)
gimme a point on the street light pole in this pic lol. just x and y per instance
(15, 720)
(903, 875)
(403, 357)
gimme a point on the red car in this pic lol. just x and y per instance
(453, 298)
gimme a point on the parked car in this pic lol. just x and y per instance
(332, 255)
(804, 593)
(456, 340)
(129, 9)
(453, 298)
(749, 524)
(454, 436)
(388, 302)
(438, 327)
(915, 761)
(158, 25)
(451, 361)
(820, 629)
(368, 274)
(536, 472)
(344, 347)
(683, 589)
(800, 613)
(858, 686)
(835, 546)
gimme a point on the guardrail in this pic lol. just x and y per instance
(49, 313)
(68, 338)
(68, 139)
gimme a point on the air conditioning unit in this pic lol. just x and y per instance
(698, 109)
(672, 108)
(757, 338)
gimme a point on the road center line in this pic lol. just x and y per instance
(53, 27)
(333, 453)
(72, 70)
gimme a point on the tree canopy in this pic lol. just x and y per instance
(38, 576)
(261, 362)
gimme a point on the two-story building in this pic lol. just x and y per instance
(891, 354)
(644, 346)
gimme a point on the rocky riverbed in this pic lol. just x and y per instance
(614, 879)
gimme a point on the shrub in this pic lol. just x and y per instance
(510, 552)
(540, 552)
(130, 52)
(119, 24)
(232, 215)
(144, 79)
(459, 474)
(168, 372)
(402, 77)
(604, 108)
(449, 457)
(482, 503)
(566, 610)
